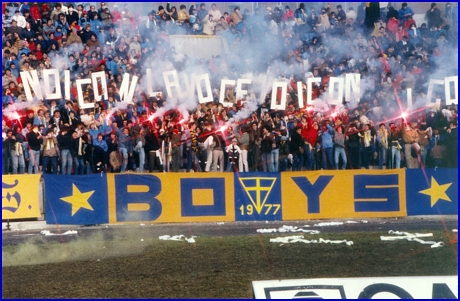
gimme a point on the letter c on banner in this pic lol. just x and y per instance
(223, 85)
(81, 103)
(310, 82)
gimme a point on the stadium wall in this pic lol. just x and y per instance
(226, 197)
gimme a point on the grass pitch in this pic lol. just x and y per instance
(213, 267)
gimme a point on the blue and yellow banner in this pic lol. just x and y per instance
(225, 197)
(432, 191)
(171, 197)
(78, 200)
(257, 196)
(343, 194)
(20, 196)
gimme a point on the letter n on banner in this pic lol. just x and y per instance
(20, 196)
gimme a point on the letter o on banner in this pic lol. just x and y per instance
(374, 289)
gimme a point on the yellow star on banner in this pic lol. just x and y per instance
(78, 200)
(437, 192)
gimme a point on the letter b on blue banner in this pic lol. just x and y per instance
(136, 198)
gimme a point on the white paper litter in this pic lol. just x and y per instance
(285, 229)
(46, 232)
(178, 238)
(412, 237)
(221, 223)
(328, 224)
(405, 235)
(300, 238)
(454, 230)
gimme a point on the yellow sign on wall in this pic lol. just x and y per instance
(343, 194)
(20, 196)
(171, 197)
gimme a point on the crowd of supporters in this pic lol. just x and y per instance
(389, 50)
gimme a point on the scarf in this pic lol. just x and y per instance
(194, 141)
(79, 147)
(367, 138)
(18, 148)
(49, 144)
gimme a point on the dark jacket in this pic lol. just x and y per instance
(34, 141)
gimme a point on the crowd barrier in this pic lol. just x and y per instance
(225, 197)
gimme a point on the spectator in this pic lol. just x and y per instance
(405, 12)
(6, 19)
(433, 16)
(21, 21)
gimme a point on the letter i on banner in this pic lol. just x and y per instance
(335, 100)
(31, 79)
(127, 88)
(409, 98)
(300, 94)
(310, 82)
(81, 102)
(199, 89)
(282, 104)
(449, 99)
(95, 76)
(223, 85)
(169, 84)
(67, 84)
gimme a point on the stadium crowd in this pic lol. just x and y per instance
(388, 49)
